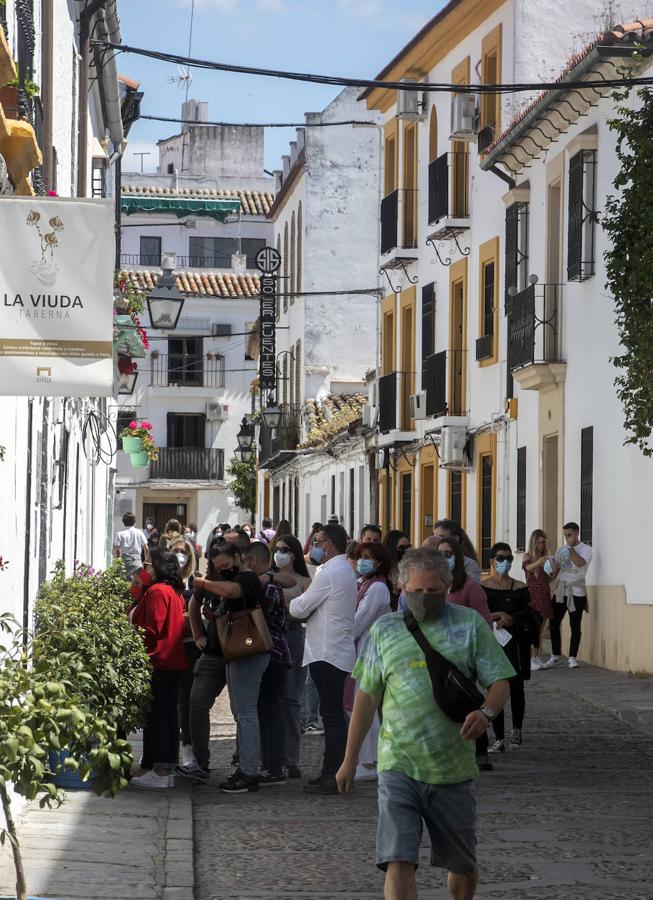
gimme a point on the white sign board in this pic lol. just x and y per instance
(56, 297)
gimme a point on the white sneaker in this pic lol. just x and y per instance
(551, 662)
(150, 781)
(366, 773)
(187, 755)
(573, 663)
(536, 663)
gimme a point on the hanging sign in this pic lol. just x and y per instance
(56, 297)
(268, 261)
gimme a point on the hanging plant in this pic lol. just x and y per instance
(628, 222)
(137, 438)
(126, 365)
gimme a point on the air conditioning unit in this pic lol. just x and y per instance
(219, 329)
(418, 405)
(217, 412)
(411, 104)
(453, 439)
(463, 110)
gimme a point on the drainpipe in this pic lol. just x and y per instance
(47, 78)
(109, 30)
(502, 175)
(28, 518)
(85, 18)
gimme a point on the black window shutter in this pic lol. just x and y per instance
(586, 483)
(512, 252)
(575, 227)
(521, 498)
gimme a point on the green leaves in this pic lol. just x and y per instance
(628, 222)
(243, 484)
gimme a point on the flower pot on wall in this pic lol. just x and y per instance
(132, 444)
(9, 101)
(139, 460)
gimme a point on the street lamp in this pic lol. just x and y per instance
(165, 303)
(244, 454)
(245, 436)
(272, 415)
(127, 383)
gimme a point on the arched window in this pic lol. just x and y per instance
(298, 270)
(285, 269)
(293, 257)
(433, 135)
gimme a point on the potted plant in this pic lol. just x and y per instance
(86, 613)
(136, 436)
(50, 714)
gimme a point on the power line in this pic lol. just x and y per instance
(344, 81)
(261, 124)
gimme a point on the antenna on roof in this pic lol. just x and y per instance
(184, 77)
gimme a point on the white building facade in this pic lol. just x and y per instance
(326, 230)
(478, 419)
(195, 384)
(57, 472)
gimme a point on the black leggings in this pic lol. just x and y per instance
(517, 708)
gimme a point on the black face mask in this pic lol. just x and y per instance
(228, 574)
(400, 552)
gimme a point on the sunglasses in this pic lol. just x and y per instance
(504, 558)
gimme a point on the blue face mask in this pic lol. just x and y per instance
(451, 562)
(548, 568)
(503, 567)
(365, 566)
(317, 554)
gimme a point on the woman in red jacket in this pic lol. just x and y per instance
(160, 613)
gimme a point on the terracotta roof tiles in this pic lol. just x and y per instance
(252, 203)
(196, 284)
(332, 415)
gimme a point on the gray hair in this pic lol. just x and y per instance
(424, 560)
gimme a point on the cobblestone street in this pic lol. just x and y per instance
(567, 817)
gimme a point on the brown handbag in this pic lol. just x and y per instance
(243, 633)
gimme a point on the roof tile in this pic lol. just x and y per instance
(252, 203)
(228, 286)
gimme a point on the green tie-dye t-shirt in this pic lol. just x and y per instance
(416, 737)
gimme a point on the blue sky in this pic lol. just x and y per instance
(338, 37)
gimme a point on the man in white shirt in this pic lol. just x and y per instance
(570, 564)
(129, 545)
(328, 607)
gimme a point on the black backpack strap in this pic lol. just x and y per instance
(435, 662)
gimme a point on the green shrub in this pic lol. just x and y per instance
(84, 615)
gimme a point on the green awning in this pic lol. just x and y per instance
(126, 338)
(178, 206)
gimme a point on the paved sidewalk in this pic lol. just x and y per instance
(567, 817)
(138, 846)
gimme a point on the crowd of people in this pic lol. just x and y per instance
(302, 632)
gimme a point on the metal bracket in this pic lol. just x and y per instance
(402, 265)
(444, 262)
(405, 456)
(428, 436)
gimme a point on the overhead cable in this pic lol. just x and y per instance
(343, 81)
(261, 124)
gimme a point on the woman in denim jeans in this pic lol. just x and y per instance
(240, 590)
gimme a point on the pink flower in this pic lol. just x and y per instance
(52, 194)
(133, 424)
(147, 425)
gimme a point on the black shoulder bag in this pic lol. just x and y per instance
(455, 693)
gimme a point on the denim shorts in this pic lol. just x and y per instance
(449, 811)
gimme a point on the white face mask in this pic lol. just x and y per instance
(182, 559)
(282, 558)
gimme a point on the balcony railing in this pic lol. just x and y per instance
(199, 463)
(183, 262)
(399, 220)
(449, 186)
(434, 382)
(172, 369)
(286, 437)
(534, 326)
(388, 402)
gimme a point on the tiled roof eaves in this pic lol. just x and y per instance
(252, 203)
(196, 284)
(580, 63)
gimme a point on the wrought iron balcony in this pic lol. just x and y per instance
(449, 187)
(286, 437)
(179, 370)
(534, 326)
(399, 221)
(194, 463)
(218, 263)
(434, 382)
